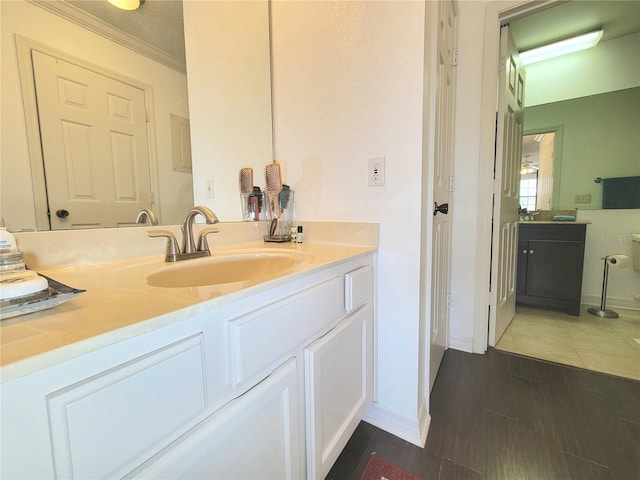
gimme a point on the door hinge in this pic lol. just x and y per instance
(451, 183)
(454, 55)
(448, 300)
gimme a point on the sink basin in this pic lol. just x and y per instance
(230, 267)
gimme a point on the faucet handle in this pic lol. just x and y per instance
(203, 245)
(173, 250)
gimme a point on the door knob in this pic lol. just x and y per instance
(62, 213)
(444, 208)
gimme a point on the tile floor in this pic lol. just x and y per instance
(599, 344)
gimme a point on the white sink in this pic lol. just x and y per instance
(227, 267)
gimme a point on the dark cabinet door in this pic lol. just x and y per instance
(521, 278)
(550, 258)
(554, 269)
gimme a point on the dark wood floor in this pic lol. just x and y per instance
(503, 416)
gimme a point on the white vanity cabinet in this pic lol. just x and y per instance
(269, 386)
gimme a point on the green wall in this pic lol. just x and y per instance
(599, 136)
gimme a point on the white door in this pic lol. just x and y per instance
(506, 187)
(442, 183)
(94, 139)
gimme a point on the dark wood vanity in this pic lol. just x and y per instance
(550, 263)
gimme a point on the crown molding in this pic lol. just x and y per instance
(99, 27)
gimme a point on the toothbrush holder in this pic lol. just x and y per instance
(278, 228)
(251, 207)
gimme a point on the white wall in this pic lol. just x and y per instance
(589, 72)
(610, 234)
(347, 80)
(169, 90)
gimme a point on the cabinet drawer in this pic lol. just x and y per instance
(575, 233)
(256, 436)
(255, 340)
(106, 425)
(358, 287)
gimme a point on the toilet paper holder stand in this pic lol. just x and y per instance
(603, 311)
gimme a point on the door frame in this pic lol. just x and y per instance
(24, 47)
(497, 13)
(558, 131)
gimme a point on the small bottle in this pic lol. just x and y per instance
(293, 234)
(300, 235)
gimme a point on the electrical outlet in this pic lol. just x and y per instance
(209, 189)
(585, 198)
(376, 172)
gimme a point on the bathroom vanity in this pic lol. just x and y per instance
(268, 381)
(550, 263)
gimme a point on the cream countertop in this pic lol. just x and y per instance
(119, 304)
(551, 222)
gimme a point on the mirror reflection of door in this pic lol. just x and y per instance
(536, 172)
(95, 147)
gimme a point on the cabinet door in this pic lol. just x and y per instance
(521, 276)
(338, 383)
(256, 436)
(554, 269)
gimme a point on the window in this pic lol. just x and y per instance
(528, 189)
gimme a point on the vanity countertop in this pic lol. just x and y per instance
(552, 222)
(119, 304)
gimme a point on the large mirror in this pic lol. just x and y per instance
(73, 32)
(570, 144)
(581, 110)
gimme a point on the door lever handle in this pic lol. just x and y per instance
(444, 208)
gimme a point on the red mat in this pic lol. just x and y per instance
(379, 469)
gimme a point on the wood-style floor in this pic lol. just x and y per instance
(504, 416)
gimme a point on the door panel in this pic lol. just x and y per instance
(442, 182)
(95, 147)
(507, 182)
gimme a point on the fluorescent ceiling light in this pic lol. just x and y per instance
(125, 4)
(570, 45)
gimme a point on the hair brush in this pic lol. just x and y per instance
(273, 187)
(273, 181)
(246, 180)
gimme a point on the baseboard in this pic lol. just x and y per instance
(612, 302)
(458, 342)
(413, 431)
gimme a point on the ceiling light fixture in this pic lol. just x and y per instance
(527, 167)
(563, 47)
(125, 4)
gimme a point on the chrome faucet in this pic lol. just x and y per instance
(147, 214)
(174, 252)
(188, 244)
